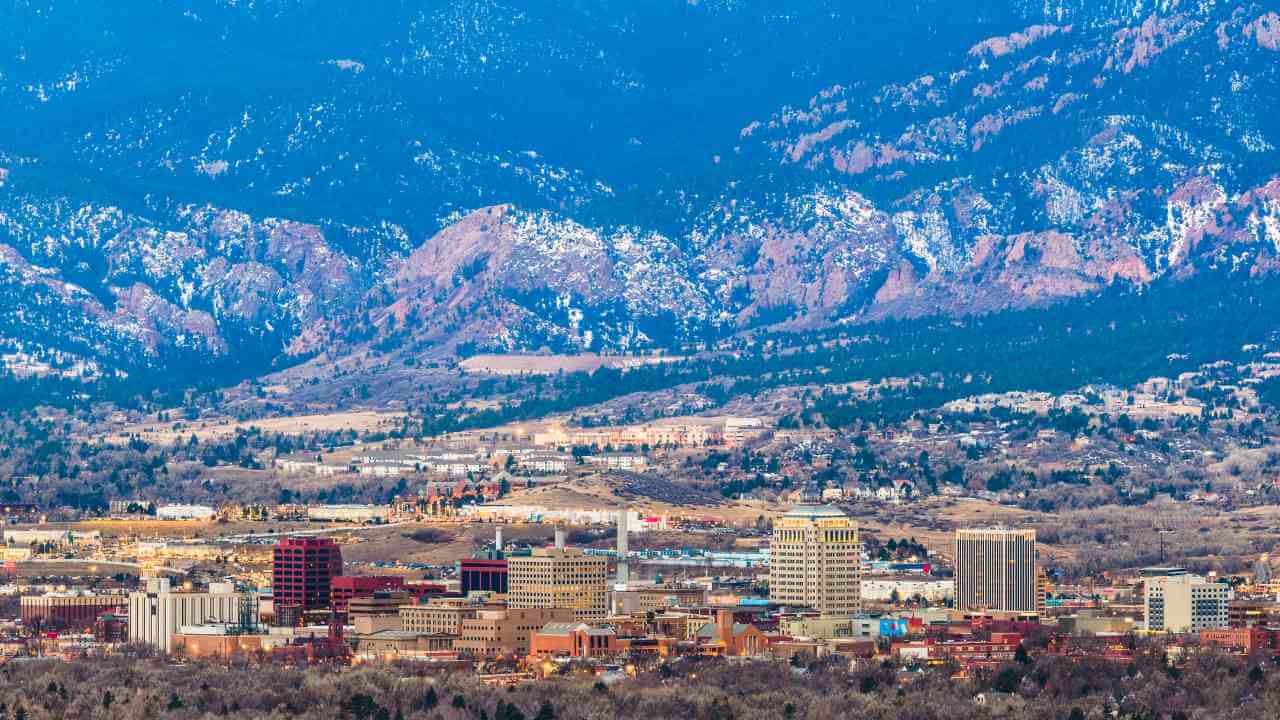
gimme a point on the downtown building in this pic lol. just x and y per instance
(559, 578)
(302, 573)
(67, 611)
(1175, 601)
(159, 612)
(996, 571)
(815, 561)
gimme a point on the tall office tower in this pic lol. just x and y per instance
(559, 578)
(996, 570)
(303, 571)
(815, 560)
(1178, 602)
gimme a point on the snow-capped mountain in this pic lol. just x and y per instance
(215, 182)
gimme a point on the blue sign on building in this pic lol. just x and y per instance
(893, 627)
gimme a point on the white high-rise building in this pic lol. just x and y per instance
(157, 613)
(1177, 602)
(815, 561)
(996, 570)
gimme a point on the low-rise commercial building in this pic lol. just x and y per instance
(492, 633)
(573, 640)
(439, 617)
(345, 587)
(67, 611)
(393, 644)
(349, 513)
(376, 612)
(185, 512)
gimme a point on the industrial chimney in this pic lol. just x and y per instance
(624, 573)
(559, 538)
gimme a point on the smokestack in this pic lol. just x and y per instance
(497, 541)
(559, 538)
(624, 573)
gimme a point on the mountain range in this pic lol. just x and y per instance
(244, 184)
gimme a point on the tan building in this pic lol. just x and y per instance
(215, 642)
(505, 632)
(815, 561)
(559, 578)
(380, 611)
(437, 617)
(996, 570)
(661, 597)
(390, 644)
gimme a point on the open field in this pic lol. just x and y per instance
(179, 529)
(552, 364)
(205, 430)
(76, 568)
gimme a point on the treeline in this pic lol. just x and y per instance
(1121, 337)
(1211, 686)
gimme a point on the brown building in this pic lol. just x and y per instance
(67, 612)
(505, 632)
(1244, 640)
(726, 637)
(661, 597)
(1248, 613)
(437, 617)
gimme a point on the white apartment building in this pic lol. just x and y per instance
(349, 513)
(185, 512)
(157, 613)
(1174, 601)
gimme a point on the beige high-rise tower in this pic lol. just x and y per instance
(996, 570)
(815, 560)
(561, 578)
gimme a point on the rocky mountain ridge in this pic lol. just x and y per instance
(1081, 146)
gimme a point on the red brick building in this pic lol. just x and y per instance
(67, 612)
(302, 572)
(573, 640)
(1244, 640)
(345, 587)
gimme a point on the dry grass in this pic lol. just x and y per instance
(224, 428)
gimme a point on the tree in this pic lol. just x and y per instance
(507, 711)
(546, 712)
(430, 700)
(175, 702)
(1007, 680)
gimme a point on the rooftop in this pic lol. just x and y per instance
(816, 511)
